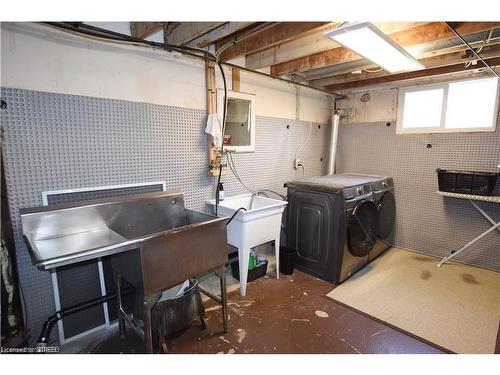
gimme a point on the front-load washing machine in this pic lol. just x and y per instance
(332, 224)
(383, 194)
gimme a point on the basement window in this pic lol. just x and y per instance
(464, 106)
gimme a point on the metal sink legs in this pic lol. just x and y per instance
(149, 302)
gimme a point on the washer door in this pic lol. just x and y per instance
(362, 229)
(387, 215)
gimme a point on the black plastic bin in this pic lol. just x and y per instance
(287, 260)
(253, 274)
(175, 314)
(466, 182)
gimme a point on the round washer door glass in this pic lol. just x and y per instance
(362, 229)
(387, 215)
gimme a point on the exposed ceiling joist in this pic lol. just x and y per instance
(279, 33)
(223, 31)
(442, 70)
(310, 44)
(430, 62)
(295, 48)
(186, 32)
(430, 59)
(144, 29)
(427, 33)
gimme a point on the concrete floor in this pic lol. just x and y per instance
(289, 315)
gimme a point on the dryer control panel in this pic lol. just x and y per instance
(357, 192)
(383, 184)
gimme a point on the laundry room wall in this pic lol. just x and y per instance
(40, 58)
(426, 222)
(82, 113)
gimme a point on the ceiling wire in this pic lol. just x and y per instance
(486, 41)
(472, 49)
(245, 35)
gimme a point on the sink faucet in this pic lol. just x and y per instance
(251, 200)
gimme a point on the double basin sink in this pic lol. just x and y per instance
(59, 235)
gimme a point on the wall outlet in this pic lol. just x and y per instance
(346, 112)
(296, 163)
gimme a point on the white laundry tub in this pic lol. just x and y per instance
(260, 223)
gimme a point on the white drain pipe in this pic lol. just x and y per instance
(333, 141)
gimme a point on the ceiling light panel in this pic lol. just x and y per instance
(371, 43)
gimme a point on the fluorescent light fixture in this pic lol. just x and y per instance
(368, 41)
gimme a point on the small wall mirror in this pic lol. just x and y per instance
(240, 120)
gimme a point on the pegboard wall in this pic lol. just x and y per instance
(57, 141)
(426, 222)
(100, 193)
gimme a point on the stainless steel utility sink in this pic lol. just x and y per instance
(154, 243)
(58, 235)
(139, 221)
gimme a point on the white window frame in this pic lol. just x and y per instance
(441, 128)
(252, 116)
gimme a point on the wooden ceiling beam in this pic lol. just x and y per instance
(219, 33)
(413, 75)
(427, 33)
(186, 32)
(279, 33)
(310, 44)
(144, 29)
(446, 58)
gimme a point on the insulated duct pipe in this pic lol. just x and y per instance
(333, 141)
